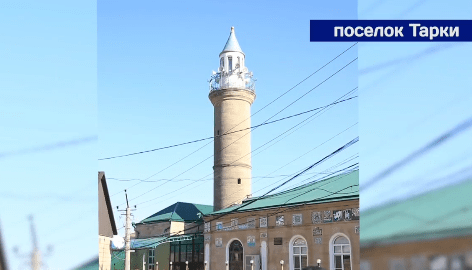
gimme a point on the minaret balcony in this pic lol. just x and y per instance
(232, 80)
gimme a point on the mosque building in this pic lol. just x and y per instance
(307, 225)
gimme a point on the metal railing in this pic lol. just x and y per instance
(234, 79)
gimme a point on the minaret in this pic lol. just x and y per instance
(232, 93)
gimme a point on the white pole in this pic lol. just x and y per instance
(35, 260)
(157, 265)
(252, 264)
(282, 264)
(127, 240)
(144, 261)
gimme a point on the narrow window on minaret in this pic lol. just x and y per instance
(238, 64)
(239, 181)
(218, 133)
(222, 62)
(230, 63)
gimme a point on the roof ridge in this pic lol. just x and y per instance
(175, 209)
(310, 183)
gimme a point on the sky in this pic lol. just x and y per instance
(81, 81)
(410, 94)
(154, 63)
(48, 138)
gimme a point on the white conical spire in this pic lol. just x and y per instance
(232, 45)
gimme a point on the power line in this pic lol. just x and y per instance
(237, 159)
(433, 144)
(337, 151)
(48, 147)
(190, 179)
(332, 75)
(212, 137)
(259, 111)
(254, 177)
(275, 213)
(327, 157)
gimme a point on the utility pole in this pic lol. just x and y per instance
(127, 237)
(35, 256)
(128, 234)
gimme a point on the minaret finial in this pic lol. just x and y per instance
(232, 28)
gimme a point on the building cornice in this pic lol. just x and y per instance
(218, 96)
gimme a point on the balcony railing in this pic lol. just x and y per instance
(219, 81)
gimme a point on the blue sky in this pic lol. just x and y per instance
(154, 61)
(404, 106)
(48, 90)
(151, 62)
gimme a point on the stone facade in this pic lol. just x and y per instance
(232, 159)
(455, 253)
(273, 232)
(165, 228)
(104, 252)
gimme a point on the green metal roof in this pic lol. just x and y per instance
(337, 188)
(179, 211)
(441, 213)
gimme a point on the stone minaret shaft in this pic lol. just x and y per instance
(232, 94)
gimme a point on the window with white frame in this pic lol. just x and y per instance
(341, 253)
(151, 259)
(299, 253)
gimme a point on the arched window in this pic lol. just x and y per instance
(222, 62)
(230, 63)
(341, 253)
(235, 255)
(238, 64)
(298, 256)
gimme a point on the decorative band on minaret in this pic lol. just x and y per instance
(232, 92)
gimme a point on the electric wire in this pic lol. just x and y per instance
(264, 108)
(306, 119)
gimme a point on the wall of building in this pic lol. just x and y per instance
(177, 227)
(417, 255)
(137, 259)
(232, 111)
(152, 229)
(193, 228)
(318, 245)
(162, 256)
(104, 252)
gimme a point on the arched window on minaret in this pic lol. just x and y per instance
(230, 63)
(238, 64)
(222, 63)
